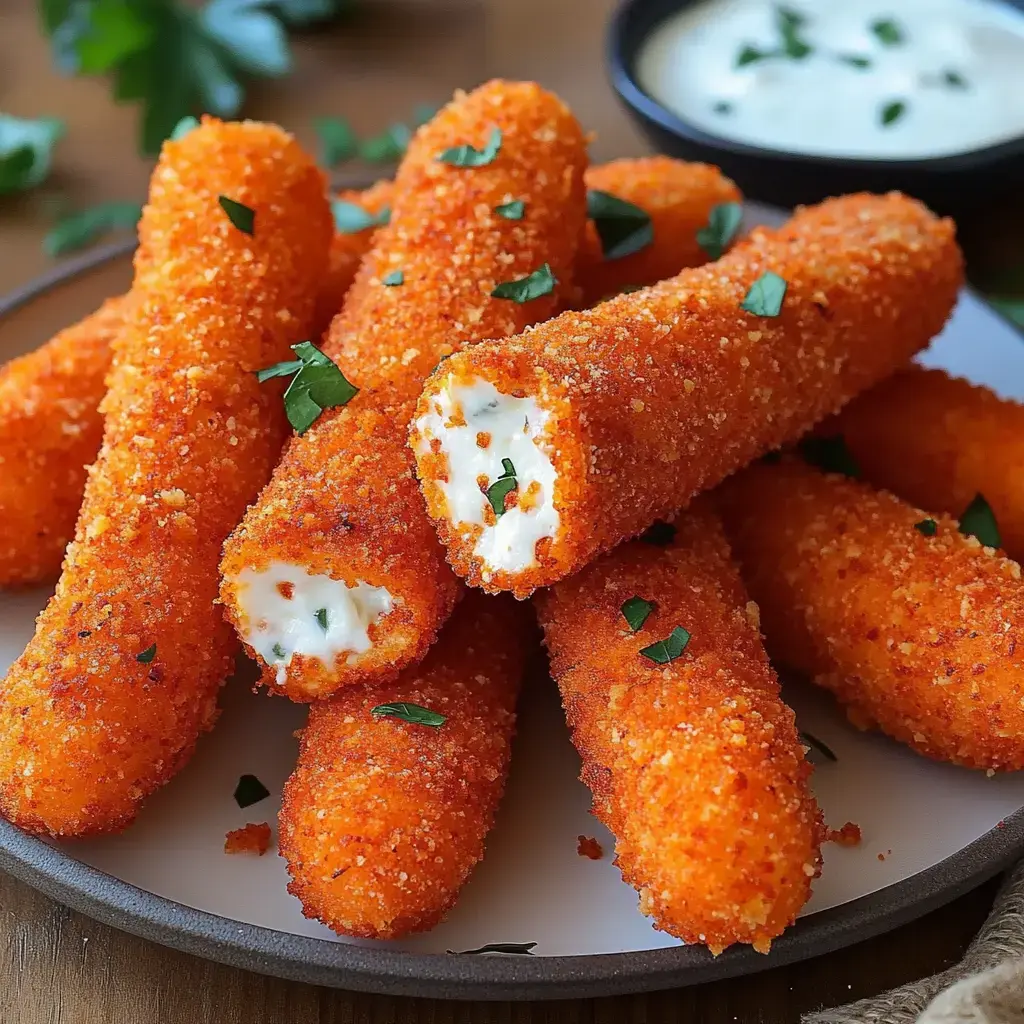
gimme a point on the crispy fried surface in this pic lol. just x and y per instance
(678, 196)
(343, 502)
(937, 441)
(916, 634)
(383, 820)
(50, 430)
(87, 731)
(661, 393)
(695, 766)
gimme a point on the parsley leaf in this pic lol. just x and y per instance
(978, 520)
(250, 791)
(722, 107)
(396, 277)
(387, 147)
(78, 230)
(750, 55)
(536, 285)
(26, 148)
(469, 156)
(887, 31)
(254, 40)
(502, 487)
(927, 526)
(279, 652)
(183, 127)
(239, 214)
(424, 112)
(635, 611)
(830, 454)
(664, 651)
(497, 947)
(511, 211)
(765, 295)
(789, 23)
(892, 112)
(318, 384)
(337, 140)
(954, 79)
(321, 618)
(723, 223)
(351, 218)
(147, 655)
(854, 60)
(816, 745)
(623, 227)
(412, 713)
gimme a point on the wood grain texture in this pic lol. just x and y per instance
(57, 967)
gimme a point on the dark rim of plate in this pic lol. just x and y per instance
(379, 968)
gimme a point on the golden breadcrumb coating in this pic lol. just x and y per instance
(678, 196)
(937, 441)
(343, 502)
(111, 694)
(695, 766)
(50, 431)
(383, 820)
(656, 395)
(914, 633)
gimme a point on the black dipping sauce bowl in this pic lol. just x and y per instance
(955, 185)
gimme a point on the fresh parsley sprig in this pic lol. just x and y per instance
(623, 227)
(414, 714)
(26, 151)
(317, 383)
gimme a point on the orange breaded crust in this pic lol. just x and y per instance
(121, 677)
(343, 502)
(916, 634)
(382, 820)
(50, 430)
(678, 196)
(695, 766)
(656, 395)
(937, 441)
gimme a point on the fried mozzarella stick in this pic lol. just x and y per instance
(694, 763)
(937, 441)
(911, 624)
(335, 575)
(111, 694)
(600, 422)
(384, 818)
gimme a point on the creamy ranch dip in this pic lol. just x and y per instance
(903, 79)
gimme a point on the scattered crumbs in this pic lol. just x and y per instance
(588, 846)
(848, 835)
(251, 839)
(882, 856)
(1000, 824)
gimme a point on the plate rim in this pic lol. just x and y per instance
(59, 875)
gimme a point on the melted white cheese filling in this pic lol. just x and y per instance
(292, 612)
(512, 429)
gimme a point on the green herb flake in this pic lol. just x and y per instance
(789, 22)
(534, 286)
(854, 60)
(978, 520)
(183, 127)
(337, 140)
(750, 55)
(26, 151)
(887, 32)
(830, 454)
(424, 112)
(636, 611)
(723, 223)
(321, 618)
(250, 791)
(412, 713)
(279, 652)
(765, 295)
(242, 216)
(723, 107)
(387, 147)
(317, 384)
(954, 80)
(78, 230)
(624, 228)
(147, 655)
(351, 218)
(511, 211)
(395, 278)
(892, 112)
(927, 526)
(502, 487)
(469, 156)
(664, 651)
(525, 948)
(816, 745)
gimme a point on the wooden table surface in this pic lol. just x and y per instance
(57, 967)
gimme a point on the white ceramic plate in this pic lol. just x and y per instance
(930, 831)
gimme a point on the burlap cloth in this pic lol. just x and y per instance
(986, 987)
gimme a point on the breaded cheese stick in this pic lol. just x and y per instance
(335, 575)
(937, 441)
(121, 677)
(694, 763)
(912, 625)
(383, 819)
(600, 422)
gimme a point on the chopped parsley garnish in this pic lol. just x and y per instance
(279, 651)
(337, 140)
(26, 150)
(351, 218)
(659, 534)
(927, 526)
(830, 454)
(815, 744)
(664, 651)
(239, 214)
(541, 282)
(412, 713)
(250, 791)
(624, 228)
(511, 211)
(978, 520)
(183, 127)
(887, 31)
(635, 611)
(765, 295)
(395, 278)
(722, 107)
(502, 487)
(723, 223)
(321, 618)
(954, 79)
(854, 60)
(892, 112)
(387, 147)
(317, 384)
(80, 229)
(469, 156)
(424, 112)
(750, 55)
(147, 655)
(526, 948)
(789, 23)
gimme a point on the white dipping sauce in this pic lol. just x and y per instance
(941, 76)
